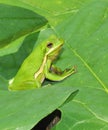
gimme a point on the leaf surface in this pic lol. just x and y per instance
(86, 36)
(15, 23)
(22, 110)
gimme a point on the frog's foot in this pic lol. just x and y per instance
(56, 74)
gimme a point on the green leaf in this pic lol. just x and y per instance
(86, 36)
(22, 110)
(3, 83)
(15, 23)
(85, 32)
(55, 11)
(10, 63)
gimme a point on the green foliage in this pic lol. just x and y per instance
(22, 110)
(86, 35)
(15, 23)
(84, 27)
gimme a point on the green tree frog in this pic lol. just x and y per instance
(38, 66)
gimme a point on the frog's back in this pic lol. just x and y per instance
(29, 67)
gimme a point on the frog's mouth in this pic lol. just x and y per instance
(54, 52)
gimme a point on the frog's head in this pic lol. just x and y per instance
(53, 46)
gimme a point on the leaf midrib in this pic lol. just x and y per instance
(89, 68)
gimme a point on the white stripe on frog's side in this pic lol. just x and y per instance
(44, 62)
(41, 68)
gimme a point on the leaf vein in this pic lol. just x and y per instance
(90, 110)
(90, 69)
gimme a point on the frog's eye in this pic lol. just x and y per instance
(50, 45)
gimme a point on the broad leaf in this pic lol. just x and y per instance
(54, 11)
(85, 33)
(22, 110)
(15, 22)
(9, 64)
(86, 36)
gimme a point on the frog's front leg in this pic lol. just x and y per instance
(55, 74)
